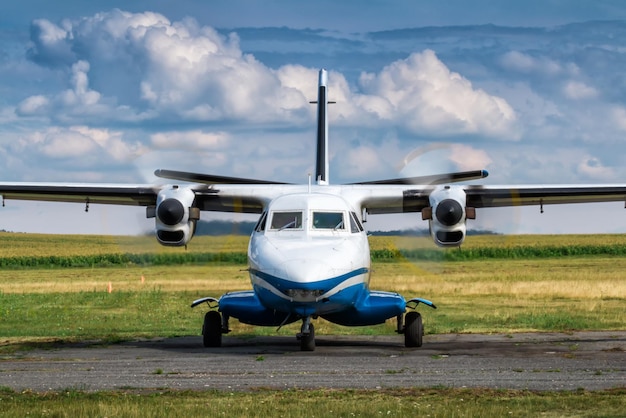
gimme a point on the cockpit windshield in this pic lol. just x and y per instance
(328, 220)
(286, 220)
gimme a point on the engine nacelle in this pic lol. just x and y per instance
(175, 215)
(447, 215)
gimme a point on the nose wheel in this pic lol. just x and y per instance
(307, 335)
(413, 329)
(212, 329)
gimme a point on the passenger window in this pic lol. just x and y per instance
(355, 225)
(328, 220)
(286, 220)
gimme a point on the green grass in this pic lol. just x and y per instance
(536, 283)
(536, 293)
(154, 313)
(318, 403)
(38, 250)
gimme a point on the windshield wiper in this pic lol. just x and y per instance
(289, 225)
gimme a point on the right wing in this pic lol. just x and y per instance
(176, 208)
(114, 194)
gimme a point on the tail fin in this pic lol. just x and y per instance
(321, 166)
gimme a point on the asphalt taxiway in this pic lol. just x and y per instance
(536, 361)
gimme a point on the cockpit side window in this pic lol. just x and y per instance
(286, 220)
(328, 220)
(260, 225)
(355, 225)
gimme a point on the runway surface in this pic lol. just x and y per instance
(537, 361)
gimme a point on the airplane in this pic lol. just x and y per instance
(308, 256)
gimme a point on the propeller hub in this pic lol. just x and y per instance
(171, 212)
(449, 212)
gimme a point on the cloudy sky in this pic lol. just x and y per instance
(107, 91)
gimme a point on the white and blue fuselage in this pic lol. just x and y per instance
(309, 256)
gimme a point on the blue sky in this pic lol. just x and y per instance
(107, 91)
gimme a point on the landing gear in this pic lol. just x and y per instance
(307, 335)
(413, 329)
(214, 324)
(212, 329)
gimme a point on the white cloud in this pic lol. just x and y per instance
(77, 143)
(526, 63)
(113, 142)
(189, 140)
(171, 70)
(80, 94)
(71, 104)
(577, 90)
(618, 114)
(440, 157)
(421, 93)
(362, 162)
(468, 158)
(33, 105)
(181, 70)
(594, 169)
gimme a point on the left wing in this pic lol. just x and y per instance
(498, 196)
(447, 207)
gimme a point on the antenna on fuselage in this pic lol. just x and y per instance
(321, 165)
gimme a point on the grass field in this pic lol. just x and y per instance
(316, 403)
(485, 293)
(56, 288)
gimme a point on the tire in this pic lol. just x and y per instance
(307, 342)
(413, 329)
(212, 329)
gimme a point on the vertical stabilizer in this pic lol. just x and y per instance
(321, 166)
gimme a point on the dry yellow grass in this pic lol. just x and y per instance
(166, 278)
(17, 245)
(585, 278)
(581, 278)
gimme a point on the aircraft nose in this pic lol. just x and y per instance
(305, 270)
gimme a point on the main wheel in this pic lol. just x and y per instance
(307, 341)
(212, 329)
(413, 329)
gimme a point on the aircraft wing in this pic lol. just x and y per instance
(242, 198)
(116, 194)
(380, 200)
(499, 196)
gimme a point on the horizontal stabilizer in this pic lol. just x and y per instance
(208, 178)
(433, 179)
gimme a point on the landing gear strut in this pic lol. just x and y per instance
(307, 335)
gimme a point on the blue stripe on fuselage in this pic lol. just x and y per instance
(327, 284)
(335, 302)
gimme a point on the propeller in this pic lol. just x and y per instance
(208, 178)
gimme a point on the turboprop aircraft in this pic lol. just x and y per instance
(308, 255)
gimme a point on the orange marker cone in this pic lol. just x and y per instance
(143, 279)
(110, 287)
